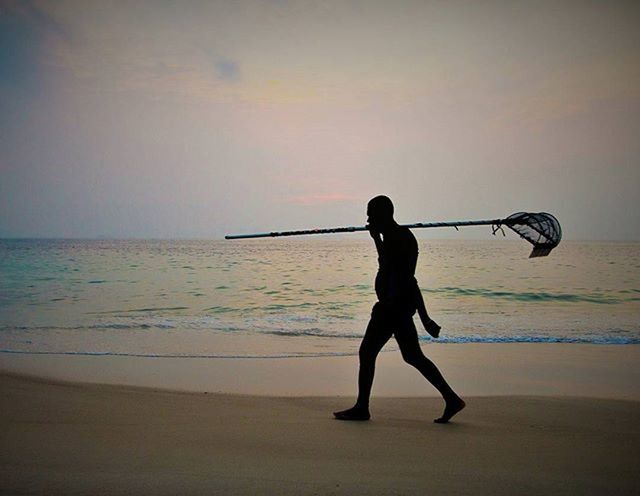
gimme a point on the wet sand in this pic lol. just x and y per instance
(537, 369)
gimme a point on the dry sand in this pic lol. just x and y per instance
(72, 438)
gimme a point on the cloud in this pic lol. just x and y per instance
(25, 33)
(25, 11)
(227, 70)
(320, 199)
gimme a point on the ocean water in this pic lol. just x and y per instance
(301, 297)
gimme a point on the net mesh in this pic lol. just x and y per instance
(541, 229)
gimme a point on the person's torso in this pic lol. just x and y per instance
(395, 282)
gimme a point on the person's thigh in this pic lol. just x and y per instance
(379, 331)
(406, 336)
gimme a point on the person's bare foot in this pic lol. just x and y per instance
(451, 408)
(355, 413)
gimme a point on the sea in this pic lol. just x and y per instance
(302, 297)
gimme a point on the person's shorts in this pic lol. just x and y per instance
(386, 311)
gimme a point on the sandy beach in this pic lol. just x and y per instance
(78, 438)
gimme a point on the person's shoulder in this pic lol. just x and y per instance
(405, 232)
(406, 235)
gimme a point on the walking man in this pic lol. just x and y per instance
(398, 299)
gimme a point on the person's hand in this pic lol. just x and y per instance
(432, 328)
(375, 234)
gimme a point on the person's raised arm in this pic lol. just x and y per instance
(375, 235)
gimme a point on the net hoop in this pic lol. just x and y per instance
(541, 229)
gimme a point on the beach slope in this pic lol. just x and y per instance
(71, 438)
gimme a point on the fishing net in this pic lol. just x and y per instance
(541, 229)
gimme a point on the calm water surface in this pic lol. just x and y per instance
(301, 297)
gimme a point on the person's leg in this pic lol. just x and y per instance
(407, 338)
(375, 337)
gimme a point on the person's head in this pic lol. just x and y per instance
(380, 212)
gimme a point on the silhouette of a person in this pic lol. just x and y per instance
(398, 299)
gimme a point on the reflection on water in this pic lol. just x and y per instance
(304, 296)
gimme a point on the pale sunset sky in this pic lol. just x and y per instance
(199, 118)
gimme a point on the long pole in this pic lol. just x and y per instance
(331, 230)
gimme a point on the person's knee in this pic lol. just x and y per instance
(413, 358)
(366, 354)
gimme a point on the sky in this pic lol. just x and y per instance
(174, 119)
